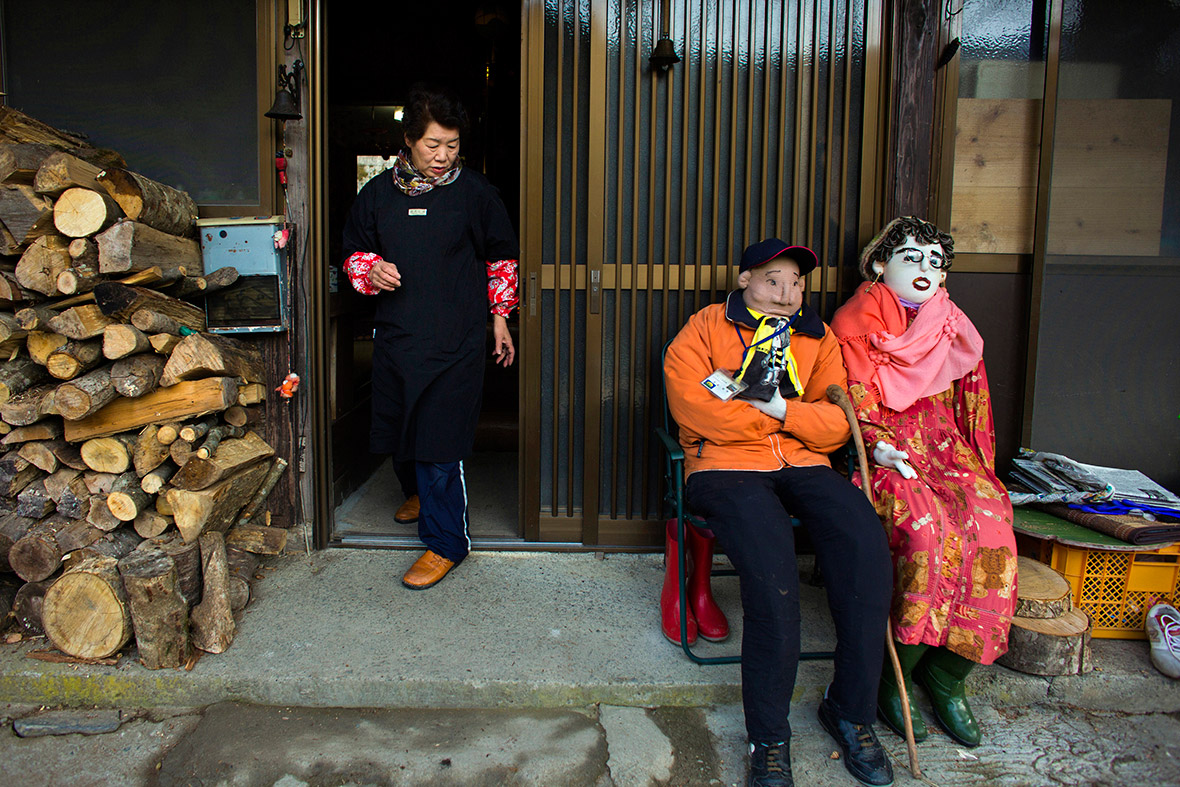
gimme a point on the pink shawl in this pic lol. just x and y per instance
(905, 364)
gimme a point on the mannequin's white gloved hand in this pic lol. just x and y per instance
(886, 455)
(776, 408)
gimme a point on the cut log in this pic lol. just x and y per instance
(150, 321)
(154, 481)
(80, 322)
(138, 375)
(213, 624)
(34, 501)
(123, 301)
(132, 246)
(233, 456)
(85, 613)
(12, 295)
(35, 317)
(179, 402)
(75, 358)
(31, 406)
(127, 498)
(149, 453)
(168, 433)
(147, 276)
(187, 287)
(11, 331)
(121, 340)
(77, 279)
(220, 279)
(210, 355)
(154, 204)
(162, 343)
(236, 416)
(13, 528)
(195, 431)
(39, 553)
(79, 212)
(16, 473)
(42, 344)
(25, 213)
(214, 438)
(158, 609)
(59, 481)
(85, 395)
(26, 606)
(99, 483)
(62, 172)
(19, 375)
(42, 453)
(19, 162)
(45, 430)
(181, 451)
(108, 454)
(1041, 592)
(258, 539)
(99, 516)
(1050, 646)
(187, 558)
(45, 259)
(70, 455)
(116, 544)
(74, 501)
(251, 393)
(151, 523)
(10, 248)
(242, 565)
(213, 509)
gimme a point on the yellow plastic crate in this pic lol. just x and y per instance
(1118, 588)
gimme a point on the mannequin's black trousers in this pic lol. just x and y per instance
(748, 513)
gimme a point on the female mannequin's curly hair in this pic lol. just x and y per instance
(881, 247)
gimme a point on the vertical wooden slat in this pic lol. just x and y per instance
(636, 95)
(825, 255)
(783, 159)
(766, 170)
(731, 246)
(813, 135)
(682, 192)
(801, 142)
(845, 146)
(621, 114)
(700, 186)
(595, 249)
(748, 198)
(532, 226)
(716, 249)
(572, 357)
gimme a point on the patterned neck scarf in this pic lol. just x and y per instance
(413, 182)
(768, 362)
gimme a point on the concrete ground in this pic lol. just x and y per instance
(526, 668)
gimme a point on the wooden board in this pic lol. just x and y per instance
(181, 401)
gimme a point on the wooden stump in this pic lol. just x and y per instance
(242, 565)
(212, 619)
(85, 613)
(157, 607)
(27, 605)
(187, 558)
(1050, 646)
(1042, 592)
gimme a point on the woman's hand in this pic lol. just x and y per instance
(384, 275)
(887, 455)
(502, 348)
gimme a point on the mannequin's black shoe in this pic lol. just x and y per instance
(770, 765)
(863, 756)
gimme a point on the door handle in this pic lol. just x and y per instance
(595, 291)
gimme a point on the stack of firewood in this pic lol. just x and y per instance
(131, 483)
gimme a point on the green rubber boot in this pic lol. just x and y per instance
(889, 698)
(944, 675)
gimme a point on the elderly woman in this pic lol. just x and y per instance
(433, 243)
(916, 377)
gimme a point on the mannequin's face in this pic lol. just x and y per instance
(914, 271)
(774, 288)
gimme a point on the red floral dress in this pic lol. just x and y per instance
(950, 529)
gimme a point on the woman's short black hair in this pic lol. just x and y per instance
(881, 247)
(432, 104)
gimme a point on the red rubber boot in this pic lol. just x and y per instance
(711, 622)
(670, 595)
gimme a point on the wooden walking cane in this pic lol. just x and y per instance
(837, 396)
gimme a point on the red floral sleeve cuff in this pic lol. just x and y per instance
(357, 267)
(502, 287)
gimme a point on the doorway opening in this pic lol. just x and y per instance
(375, 53)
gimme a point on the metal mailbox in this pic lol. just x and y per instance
(257, 247)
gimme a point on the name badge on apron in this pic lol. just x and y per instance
(417, 211)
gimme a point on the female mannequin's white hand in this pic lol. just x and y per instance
(887, 455)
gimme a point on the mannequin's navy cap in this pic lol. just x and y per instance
(772, 248)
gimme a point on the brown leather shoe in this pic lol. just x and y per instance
(408, 513)
(427, 571)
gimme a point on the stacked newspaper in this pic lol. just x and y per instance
(1041, 477)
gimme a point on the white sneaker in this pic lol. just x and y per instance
(1163, 630)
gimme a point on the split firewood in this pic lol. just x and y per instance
(213, 624)
(40, 265)
(85, 613)
(167, 433)
(26, 606)
(70, 455)
(16, 126)
(25, 213)
(121, 340)
(188, 287)
(195, 431)
(13, 528)
(81, 212)
(251, 393)
(178, 402)
(241, 565)
(117, 544)
(12, 295)
(10, 248)
(99, 482)
(153, 322)
(149, 453)
(127, 498)
(74, 501)
(154, 481)
(163, 507)
(31, 406)
(124, 301)
(34, 501)
(220, 279)
(137, 375)
(62, 172)
(148, 276)
(154, 204)
(85, 395)
(214, 508)
(42, 453)
(16, 473)
(259, 539)
(158, 609)
(162, 343)
(11, 331)
(233, 456)
(181, 451)
(35, 317)
(38, 554)
(100, 515)
(19, 162)
(151, 523)
(75, 358)
(59, 481)
(108, 454)
(187, 558)
(80, 322)
(42, 344)
(210, 355)
(78, 278)
(19, 375)
(132, 246)
(236, 416)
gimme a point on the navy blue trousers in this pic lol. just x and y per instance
(748, 513)
(441, 487)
